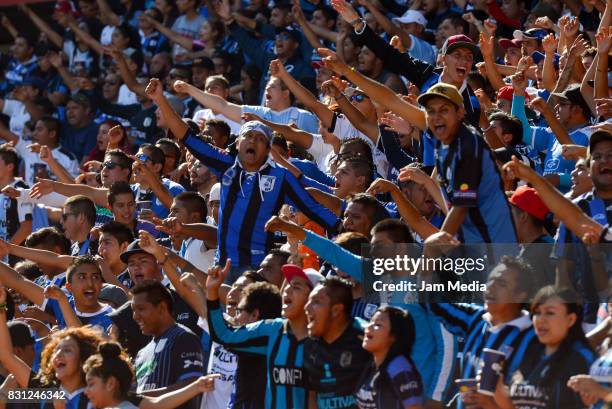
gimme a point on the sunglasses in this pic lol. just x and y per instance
(66, 215)
(358, 97)
(282, 37)
(143, 157)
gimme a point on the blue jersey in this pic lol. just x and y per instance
(601, 371)
(99, 318)
(154, 44)
(273, 339)
(434, 348)
(249, 200)
(470, 178)
(158, 207)
(568, 246)
(473, 324)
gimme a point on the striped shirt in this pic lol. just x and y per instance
(601, 371)
(284, 354)
(174, 356)
(249, 200)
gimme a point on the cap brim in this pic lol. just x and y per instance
(506, 43)
(291, 271)
(126, 254)
(424, 98)
(462, 44)
(317, 64)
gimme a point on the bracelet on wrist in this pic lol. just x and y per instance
(165, 259)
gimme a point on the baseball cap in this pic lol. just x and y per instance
(215, 192)
(597, 137)
(572, 94)
(411, 16)
(20, 333)
(290, 271)
(506, 43)
(507, 92)
(459, 41)
(316, 61)
(442, 90)
(257, 127)
(113, 294)
(531, 34)
(133, 248)
(292, 32)
(31, 81)
(66, 6)
(537, 56)
(527, 199)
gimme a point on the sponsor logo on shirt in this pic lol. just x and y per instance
(187, 363)
(345, 359)
(409, 386)
(287, 376)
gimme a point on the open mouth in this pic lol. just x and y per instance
(138, 277)
(462, 71)
(605, 171)
(286, 303)
(89, 294)
(439, 128)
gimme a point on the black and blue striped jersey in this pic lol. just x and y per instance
(249, 200)
(473, 324)
(283, 351)
(530, 388)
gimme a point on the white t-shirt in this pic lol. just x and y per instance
(344, 129)
(126, 97)
(32, 161)
(207, 114)
(196, 252)
(304, 120)
(221, 362)
(18, 113)
(106, 36)
(322, 153)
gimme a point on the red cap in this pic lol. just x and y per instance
(527, 199)
(459, 41)
(506, 43)
(291, 271)
(507, 92)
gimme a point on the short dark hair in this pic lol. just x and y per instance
(123, 159)
(155, 153)
(82, 205)
(119, 231)
(282, 254)
(172, 145)
(373, 208)
(510, 125)
(264, 297)
(221, 126)
(340, 291)
(156, 293)
(524, 274)
(360, 142)
(194, 203)
(80, 261)
(219, 78)
(328, 12)
(118, 188)
(49, 237)
(9, 156)
(361, 167)
(457, 21)
(352, 241)
(52, 125)
(28, 269)
(398, 231)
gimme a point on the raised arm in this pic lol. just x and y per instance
(185, 42)
(355, 116)
(20, 370)
(42, 25)
(44, 257)
(44, 153)
(12, 279)
(85, 36)
(110, 17)
(302, 138)
(71, 320)
(332, 202)
(604, 43)
(409, 213)
(549, 74)
(126, 75)
(46, 186)
(176, 398)
(377, 91)
(217, 104)
(487, 50)
(298, 15)
(321, 110)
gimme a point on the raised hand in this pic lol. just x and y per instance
(380, 186)
(539, 104)
(570, 29)
(578, 47)
(518, 170)
(544, 22)
(549, 43)
(519, 83)
(181, 87)
(45, 154)
(483, 98)
(396, 43)
(489, 27)
(155, 89)
(249, 116)
(604, 40)
(148, 244)
(215, 277)
(11, 192)
(34, 147)
(53, 292)
(278, 224)
(113, 52)
(573, 152)
(332, 61)
(171, 226)
(395, 123)
(41, 187)
(277, 69)
(412, 174)
(329, 88)
(206, 383)
(56, 59)
(524, 63)
(348, 13)
(115, 134)
(486, 45)
(223, 9)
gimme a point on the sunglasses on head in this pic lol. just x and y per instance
(143, 157)
(357, 97)
(110, 165)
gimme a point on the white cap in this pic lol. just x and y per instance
(215, 192)
(411, 16)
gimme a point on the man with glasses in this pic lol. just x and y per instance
(78, 218)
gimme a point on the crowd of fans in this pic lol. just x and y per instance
(196, 197)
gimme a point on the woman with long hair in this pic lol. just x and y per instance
(392, 380)
(61, 362)
(93, 162)
(563, 351)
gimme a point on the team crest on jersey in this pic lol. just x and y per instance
(228, 176)
(369, 310)
(345, 359)
(267, 183)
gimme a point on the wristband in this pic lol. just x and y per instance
(162, 262)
